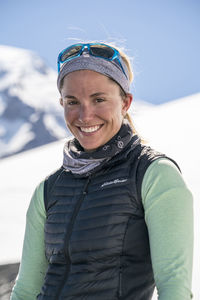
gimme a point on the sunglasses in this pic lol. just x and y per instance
(95, 49)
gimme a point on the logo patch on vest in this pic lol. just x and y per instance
(113, 182)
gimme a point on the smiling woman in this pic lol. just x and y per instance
(93, 107)
(116, 219)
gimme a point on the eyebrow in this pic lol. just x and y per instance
(92, 95)
(69, 96)
(97, 94)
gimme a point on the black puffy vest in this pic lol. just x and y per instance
(96, 239)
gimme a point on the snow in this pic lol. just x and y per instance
(2, 105)
(29, 78)
(171, 128)
(28, 100)
(53, 126)
(22, 137)
(19, 175)
(19, 131)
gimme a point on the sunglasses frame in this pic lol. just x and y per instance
(115, 57)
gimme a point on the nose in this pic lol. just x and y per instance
(86, 113)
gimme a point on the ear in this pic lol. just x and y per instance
(126, 103)
(61, 101)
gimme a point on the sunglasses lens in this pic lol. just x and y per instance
(102, 51)
(70, 52)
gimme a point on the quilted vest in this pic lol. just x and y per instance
(96, 239)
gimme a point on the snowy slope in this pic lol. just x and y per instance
(172, 128)
(29, 112)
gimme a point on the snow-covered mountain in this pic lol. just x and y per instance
(172, 128)
(30, 114)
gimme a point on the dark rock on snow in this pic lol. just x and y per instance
(8, 274)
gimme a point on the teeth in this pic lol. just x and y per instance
(90, 129)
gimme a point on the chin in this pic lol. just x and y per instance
(90, 149)
(89, 145)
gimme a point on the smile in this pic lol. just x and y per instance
(90, 129)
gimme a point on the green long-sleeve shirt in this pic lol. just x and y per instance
(168, 207)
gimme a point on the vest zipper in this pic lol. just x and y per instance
(120, 282)
(69, 232)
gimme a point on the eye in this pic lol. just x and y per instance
(72, 102)
(99, 100)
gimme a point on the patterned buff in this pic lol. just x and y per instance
(80, 162)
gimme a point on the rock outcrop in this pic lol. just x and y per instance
(8, 274)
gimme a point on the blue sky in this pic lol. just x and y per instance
(162, 37)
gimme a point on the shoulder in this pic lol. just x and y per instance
(163, 176)
(54, 174)
(163, 168)
(148, 155)
(145, 158)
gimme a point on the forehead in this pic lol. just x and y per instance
(88, 79)
(82, 74)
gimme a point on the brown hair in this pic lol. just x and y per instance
(127, 61)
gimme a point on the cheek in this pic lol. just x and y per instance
(65, 112)
(69, 115)
(118, 118)
(117, 112)
(113, 110)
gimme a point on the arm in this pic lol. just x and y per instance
(33, 264)
(168, 209)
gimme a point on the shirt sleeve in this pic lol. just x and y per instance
(168, 206)
(33, 263)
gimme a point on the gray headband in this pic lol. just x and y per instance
(100, 65)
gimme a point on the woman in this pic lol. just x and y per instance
(116, 219)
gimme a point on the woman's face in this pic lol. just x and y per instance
(93, 107)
